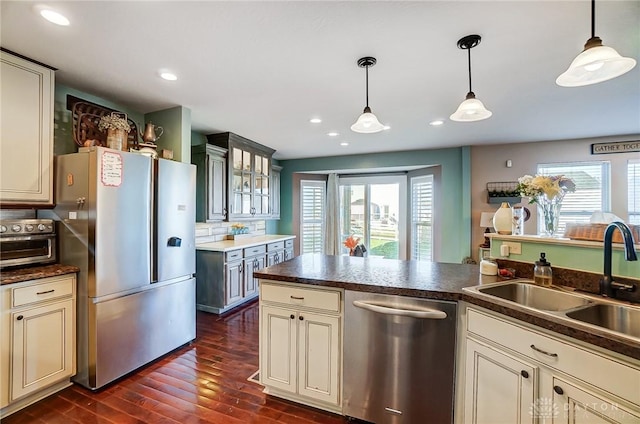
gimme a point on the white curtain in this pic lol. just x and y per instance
(332, 217)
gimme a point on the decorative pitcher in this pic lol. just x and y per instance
(150, 133)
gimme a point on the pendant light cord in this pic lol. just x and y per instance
(366, 69)
(469, 51)
(593, 18)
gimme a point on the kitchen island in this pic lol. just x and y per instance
(501, 348)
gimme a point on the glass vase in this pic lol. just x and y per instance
(549, 211)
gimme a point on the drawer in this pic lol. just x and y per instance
(602, 371)
(39, 292)
(328, 300)
(288, 244)
(279, 245)
(255, 251)
(234, 255)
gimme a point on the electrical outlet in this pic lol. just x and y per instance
(514, 248)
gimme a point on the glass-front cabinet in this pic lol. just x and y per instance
(249, 176)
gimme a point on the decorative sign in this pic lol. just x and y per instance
(111, 171)
(617, 147)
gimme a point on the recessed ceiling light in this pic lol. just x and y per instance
(386, 127)
(436, 123)
(169, 76)
(333, 134)
(344, 143)
(315, 120)
(51, 15)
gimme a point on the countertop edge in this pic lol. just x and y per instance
(229, 245)
(12, 276)
(575, 330)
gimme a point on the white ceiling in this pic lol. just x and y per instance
(262, 69)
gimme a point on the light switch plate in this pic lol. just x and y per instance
(514, 248)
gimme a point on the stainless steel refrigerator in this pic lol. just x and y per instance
(128, 222)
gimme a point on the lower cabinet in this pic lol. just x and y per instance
(514, 373)
(38, 339)
(225, 280)
(300, 344)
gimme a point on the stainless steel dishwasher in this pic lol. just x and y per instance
(399, 358)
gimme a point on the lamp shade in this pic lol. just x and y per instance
(486, 219)
(471, 110)
(594, 65)
(367, 123)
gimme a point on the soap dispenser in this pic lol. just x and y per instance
(542, 273)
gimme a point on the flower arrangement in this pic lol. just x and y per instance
(238, 228)
(351, 242)
(547, 191)
(551, 186)
(114, 122)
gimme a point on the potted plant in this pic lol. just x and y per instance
(117, 130)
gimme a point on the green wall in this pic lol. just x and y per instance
(176, 124)
(455, 198)
(588, 258)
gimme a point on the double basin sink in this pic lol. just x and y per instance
(592, 310)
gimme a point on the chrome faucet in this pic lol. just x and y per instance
(608, 287)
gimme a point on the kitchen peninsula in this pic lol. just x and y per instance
(316, 287)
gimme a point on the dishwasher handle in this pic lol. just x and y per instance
(388, 310)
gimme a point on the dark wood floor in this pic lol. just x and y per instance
(204, 382)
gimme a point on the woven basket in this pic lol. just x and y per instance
(595, 232)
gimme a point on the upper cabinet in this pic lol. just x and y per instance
(211, 182)
(26, 133)
(249, 185)
(275, 191)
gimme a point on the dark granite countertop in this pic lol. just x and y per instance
(33, 272)
(431, 280)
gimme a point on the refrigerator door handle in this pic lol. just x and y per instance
(174, 242)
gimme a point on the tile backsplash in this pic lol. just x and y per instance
(217, 231)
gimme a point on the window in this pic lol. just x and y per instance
(592, 190)
(373, 208)
(313, 195)
(633, 183)
(422, 218)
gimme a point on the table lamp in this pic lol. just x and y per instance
(486, 221)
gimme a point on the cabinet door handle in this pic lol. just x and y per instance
(297, 298)
(544, 352)
(19, 317)
(558, 390)
(46, 292)
(301, 318)
(292, 316)
(240, 268)
(224, 211)
(524, 373)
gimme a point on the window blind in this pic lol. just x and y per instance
(313, 198)
(422, 218)
(592, 190)
(633, 184)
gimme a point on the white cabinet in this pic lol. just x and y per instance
(500, 388)
(26, 133)
(300, 344)
(279, 252)
(516, 373)
(233, 282)
(38, 339)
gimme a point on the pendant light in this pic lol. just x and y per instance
(367, 123)
(596, 63)
(471, 109)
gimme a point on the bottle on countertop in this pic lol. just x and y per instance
(542, 274)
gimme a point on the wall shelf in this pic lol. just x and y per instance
(503, 191)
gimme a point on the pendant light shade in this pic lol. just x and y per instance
(596, 63)
(367, 123)
(471, 109)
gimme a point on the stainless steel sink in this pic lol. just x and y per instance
(618, 318)
(536, 297)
